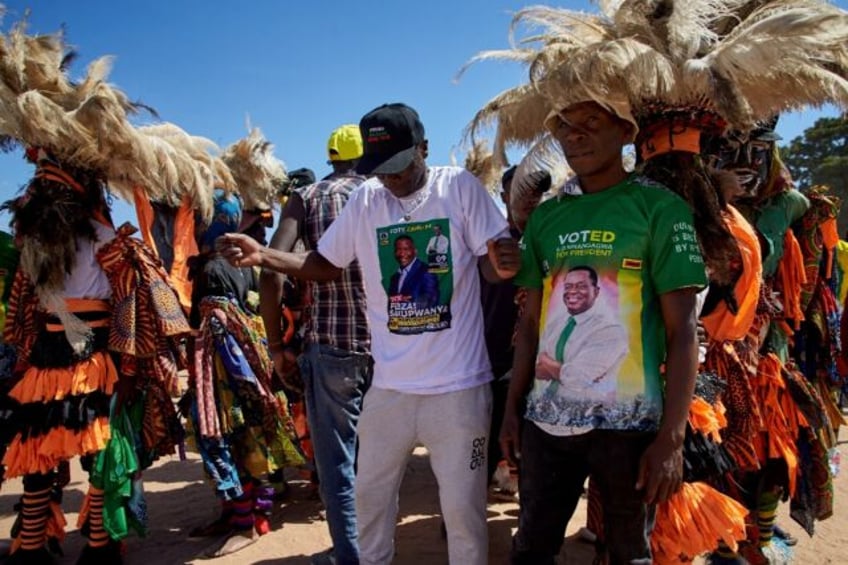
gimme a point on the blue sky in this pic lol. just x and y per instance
(296, 69)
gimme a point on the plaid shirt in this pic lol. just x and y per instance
(337, 309)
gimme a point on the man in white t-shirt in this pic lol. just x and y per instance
(437, 248)
(426, 389)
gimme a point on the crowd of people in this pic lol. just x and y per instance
(668, 332)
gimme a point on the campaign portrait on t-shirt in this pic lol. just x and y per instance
(584, 342)
(416, 271)
(602, 261)
(437, 250)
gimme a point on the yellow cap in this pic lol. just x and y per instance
(345, 143)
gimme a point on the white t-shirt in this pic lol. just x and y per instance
(428, 339)
(87, 280)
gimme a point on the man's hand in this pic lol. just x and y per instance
(547, 368)
(660, 470)
(510, 437)
(239, 249)
(505, 257)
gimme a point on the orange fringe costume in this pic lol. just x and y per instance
(733, 341)
(695, 519)
(699, 517)
(85, 361)
(817, 347)
(788, 452)
(144, 323)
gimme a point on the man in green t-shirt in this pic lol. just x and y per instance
(611, 276)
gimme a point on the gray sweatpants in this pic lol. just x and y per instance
(453, 427)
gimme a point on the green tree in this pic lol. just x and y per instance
(820, 157)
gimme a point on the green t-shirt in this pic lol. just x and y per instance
(601, 261)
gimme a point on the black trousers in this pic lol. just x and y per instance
(552, 471)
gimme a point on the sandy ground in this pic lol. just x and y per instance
(179, 499)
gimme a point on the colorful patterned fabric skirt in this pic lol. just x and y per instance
(242, 428)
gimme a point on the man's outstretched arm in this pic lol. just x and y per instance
(243, 251)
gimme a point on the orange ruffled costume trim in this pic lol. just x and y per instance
(781, 418)
(43, 453)
(98, 372)
(721, 324)
(792, 278)
(693, 521)
(707, 418)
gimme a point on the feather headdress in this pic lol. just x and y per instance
(517, 113)
(258, 175)
(679, 68)
(190, 162)
(79, 135)
(720, 62)
(86, 124)
(481, 162)
(739, 62)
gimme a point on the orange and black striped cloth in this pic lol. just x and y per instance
(62, 397)
(141, 327)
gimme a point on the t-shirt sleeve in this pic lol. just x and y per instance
(338, 244)
(676, 260)
(530, 274)
(484, 221)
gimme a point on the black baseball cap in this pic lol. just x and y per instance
(390, 136)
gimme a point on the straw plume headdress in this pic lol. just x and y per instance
(258, 175)
(743, 61)
(481, 162)
(86, 124)
(678, 69)
(80, 138)
(519, 113)
(190, 162)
